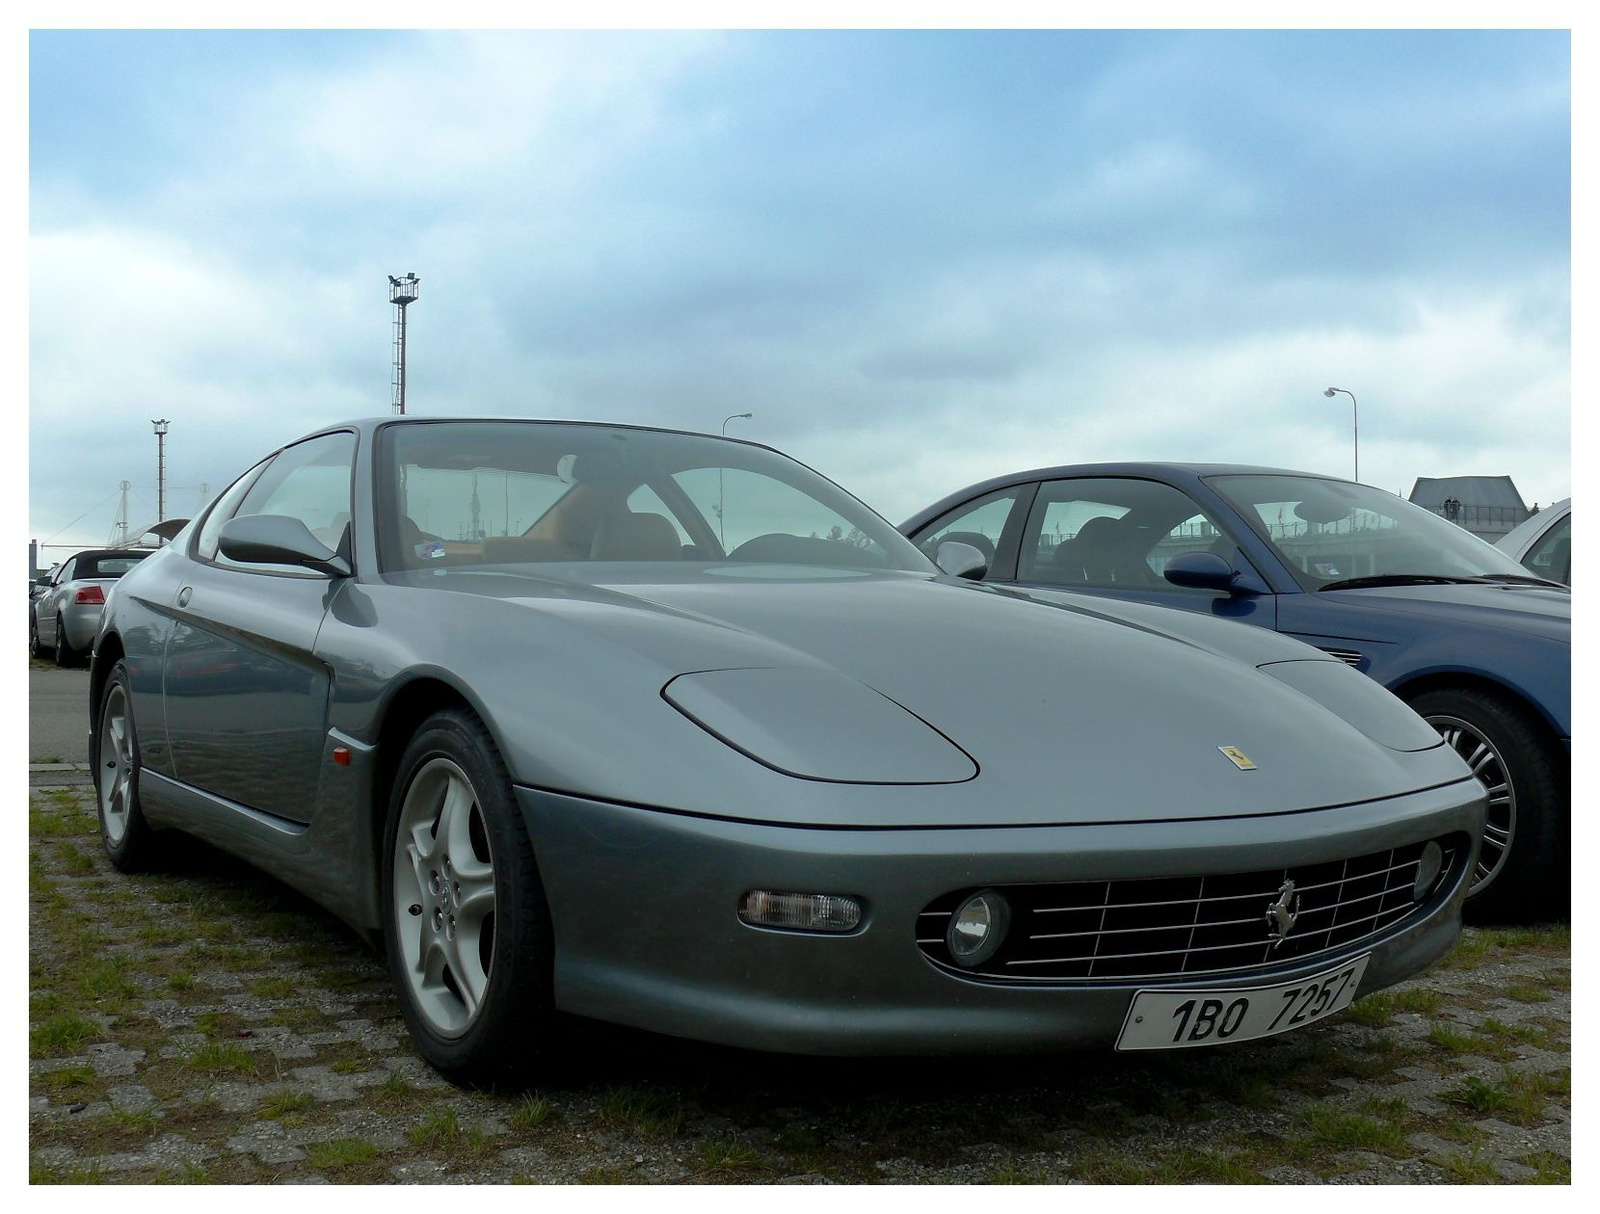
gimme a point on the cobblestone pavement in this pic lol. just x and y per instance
(208, 1025)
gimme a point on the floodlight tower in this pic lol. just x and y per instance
(402, 291)
(161, 425)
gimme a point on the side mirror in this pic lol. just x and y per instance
(961, 560)
(276, 539)
(1202, 571)
(42, 582)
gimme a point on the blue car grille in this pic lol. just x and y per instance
(1173, 927)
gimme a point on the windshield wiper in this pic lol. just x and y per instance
(1522, 579)
(1403, 579)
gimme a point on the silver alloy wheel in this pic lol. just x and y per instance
(1500, 824)
(444, 898)
(117, 758)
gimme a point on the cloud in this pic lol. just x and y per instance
(919, 259)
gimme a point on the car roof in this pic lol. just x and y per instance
(368, 425)
(1155, 470)
(98, 552)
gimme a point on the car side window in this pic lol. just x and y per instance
(1551, 557)
(980, 523)
(309, 481)
(1113, 532)
(65, 573)
(206, 543)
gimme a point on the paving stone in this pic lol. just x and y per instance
(267, 1141)
(111, 1061)
(132, 1098)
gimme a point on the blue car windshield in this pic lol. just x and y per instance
(498, 493)
(1329, 532)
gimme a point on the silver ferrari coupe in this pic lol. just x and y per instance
(668, 730)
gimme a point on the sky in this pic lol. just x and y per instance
(920, 259)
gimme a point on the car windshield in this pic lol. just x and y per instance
(491, 493)
(1332, 533)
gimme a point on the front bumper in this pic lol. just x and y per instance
(644, 905)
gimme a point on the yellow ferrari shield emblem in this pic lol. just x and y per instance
(1238, 757)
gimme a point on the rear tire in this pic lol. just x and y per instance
(466, 927)
(114, 760)
(1521, 875)
(66, 655)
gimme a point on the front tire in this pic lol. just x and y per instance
(1520, 876)
(114, 760)
(36, 647)
(466, 926)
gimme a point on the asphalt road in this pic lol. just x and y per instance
(58, 715)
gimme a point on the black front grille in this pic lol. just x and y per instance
(1170, 927)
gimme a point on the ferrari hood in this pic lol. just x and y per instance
(985, 708)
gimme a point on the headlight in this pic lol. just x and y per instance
(978, 928)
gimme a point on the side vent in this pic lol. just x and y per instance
(1348, 656)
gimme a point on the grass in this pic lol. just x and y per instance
(285, 1103)
(645, 1111)
(1470, 1168)
(1479, 1095)
(1526, 992)
(340, 1153)
(124, 952)
(442, 1131)
(219, 1058)
(64, 1034)
(730, 1158)
(1355, 1131)
(531, 1112)
(1548, 1167)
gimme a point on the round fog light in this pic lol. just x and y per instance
(1428, 869)
(978, 928)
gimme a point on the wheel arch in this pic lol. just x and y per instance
(406, 708)
(106, 655)
(1466, 680)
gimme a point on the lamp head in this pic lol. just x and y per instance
(1330, 391)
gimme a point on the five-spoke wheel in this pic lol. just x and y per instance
(466, 928)
(114, 759)
(444, 896)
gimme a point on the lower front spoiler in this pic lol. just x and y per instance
(644, 907)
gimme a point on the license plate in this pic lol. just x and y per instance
(1174, 1020)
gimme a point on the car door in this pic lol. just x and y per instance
(246, 698)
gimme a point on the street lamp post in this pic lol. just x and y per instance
(722, 536)
(1355, 428)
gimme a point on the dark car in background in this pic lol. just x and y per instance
(64, 613)
(1470, 639)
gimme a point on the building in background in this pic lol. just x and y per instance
(1487, 506)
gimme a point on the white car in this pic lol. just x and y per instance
(1542, 543)
(66, 613)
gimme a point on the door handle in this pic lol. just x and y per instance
(185, 595)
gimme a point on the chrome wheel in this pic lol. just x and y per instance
(119, 764)
(444, 897)
(1500, 824)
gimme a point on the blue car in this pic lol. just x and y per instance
(1450, 624)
